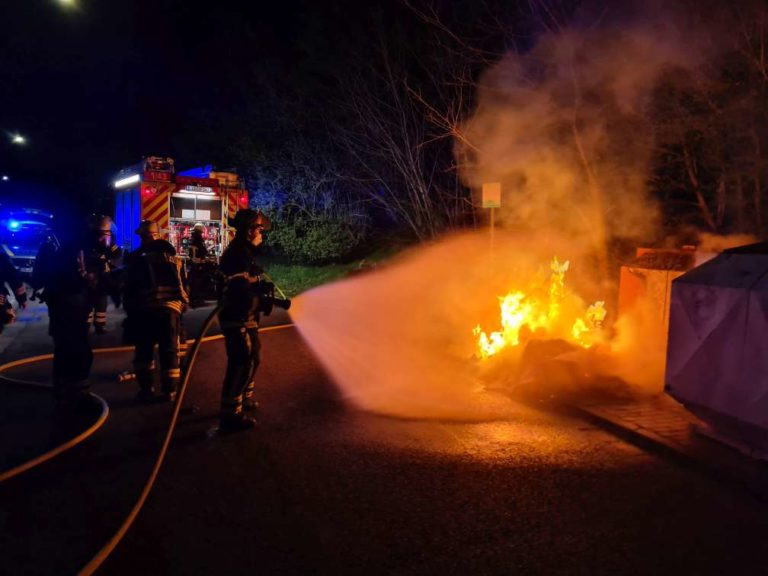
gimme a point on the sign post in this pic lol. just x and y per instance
(492, 200)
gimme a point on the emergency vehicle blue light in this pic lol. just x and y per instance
(198, 172)
(14, 225)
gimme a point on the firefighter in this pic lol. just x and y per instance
(197, 248)
(239, 319)
(10, 276)
(198, 252)
(101, 260)
(61, 280)
(155, 295)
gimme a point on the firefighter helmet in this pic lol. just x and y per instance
(247, 217)
(147, 227)
(100, 223)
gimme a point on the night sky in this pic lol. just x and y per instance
(95, 88)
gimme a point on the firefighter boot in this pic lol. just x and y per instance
(249, 402)
(144, 377)
(231, 417)
(170, 387)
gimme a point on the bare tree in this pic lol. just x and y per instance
(401, 138)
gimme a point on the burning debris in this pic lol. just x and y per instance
(399, 340)
(533, 314)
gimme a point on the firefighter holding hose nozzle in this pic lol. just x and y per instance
(241, 306)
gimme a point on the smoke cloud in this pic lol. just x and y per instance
(565, 129)
(565, 126)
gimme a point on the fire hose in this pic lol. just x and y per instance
(99, 558)
(107, 549)
(102, 555)
(71, 443)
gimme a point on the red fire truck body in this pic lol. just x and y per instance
(152, 190)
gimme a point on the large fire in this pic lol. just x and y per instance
(543, 312)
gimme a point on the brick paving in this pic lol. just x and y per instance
(662, 423)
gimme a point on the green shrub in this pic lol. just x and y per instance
(317, 240)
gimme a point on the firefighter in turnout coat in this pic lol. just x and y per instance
(61, 280)
(155, 296)
(101, 260)
(239, 319)
(198, 253)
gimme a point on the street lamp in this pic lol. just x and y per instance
(18, 139)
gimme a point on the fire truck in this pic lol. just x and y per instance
(153, 190)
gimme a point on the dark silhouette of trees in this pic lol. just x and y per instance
(363, 121)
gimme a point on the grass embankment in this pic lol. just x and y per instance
(294, 279)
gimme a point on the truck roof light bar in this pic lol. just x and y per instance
(127, 181)
(198, 195)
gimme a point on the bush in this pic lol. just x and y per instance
(317, 240)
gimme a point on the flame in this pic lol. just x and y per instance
(522, 312)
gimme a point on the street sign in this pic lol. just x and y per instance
(492, 195)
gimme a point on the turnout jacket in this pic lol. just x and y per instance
(197, 248)
(61, 273)
(155, 278)
(101, 258)
(238, 270)
(100, 263)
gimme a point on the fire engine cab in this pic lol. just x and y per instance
(153, 190)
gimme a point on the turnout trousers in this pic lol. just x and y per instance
(157, 326)
(98, 313)
(72, 354)
(243, 357)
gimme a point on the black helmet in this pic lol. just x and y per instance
(246, 218)
(148, 227)
(100, 223)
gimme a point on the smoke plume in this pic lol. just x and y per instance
(564, 128)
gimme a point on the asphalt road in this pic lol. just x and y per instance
(321, 488)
